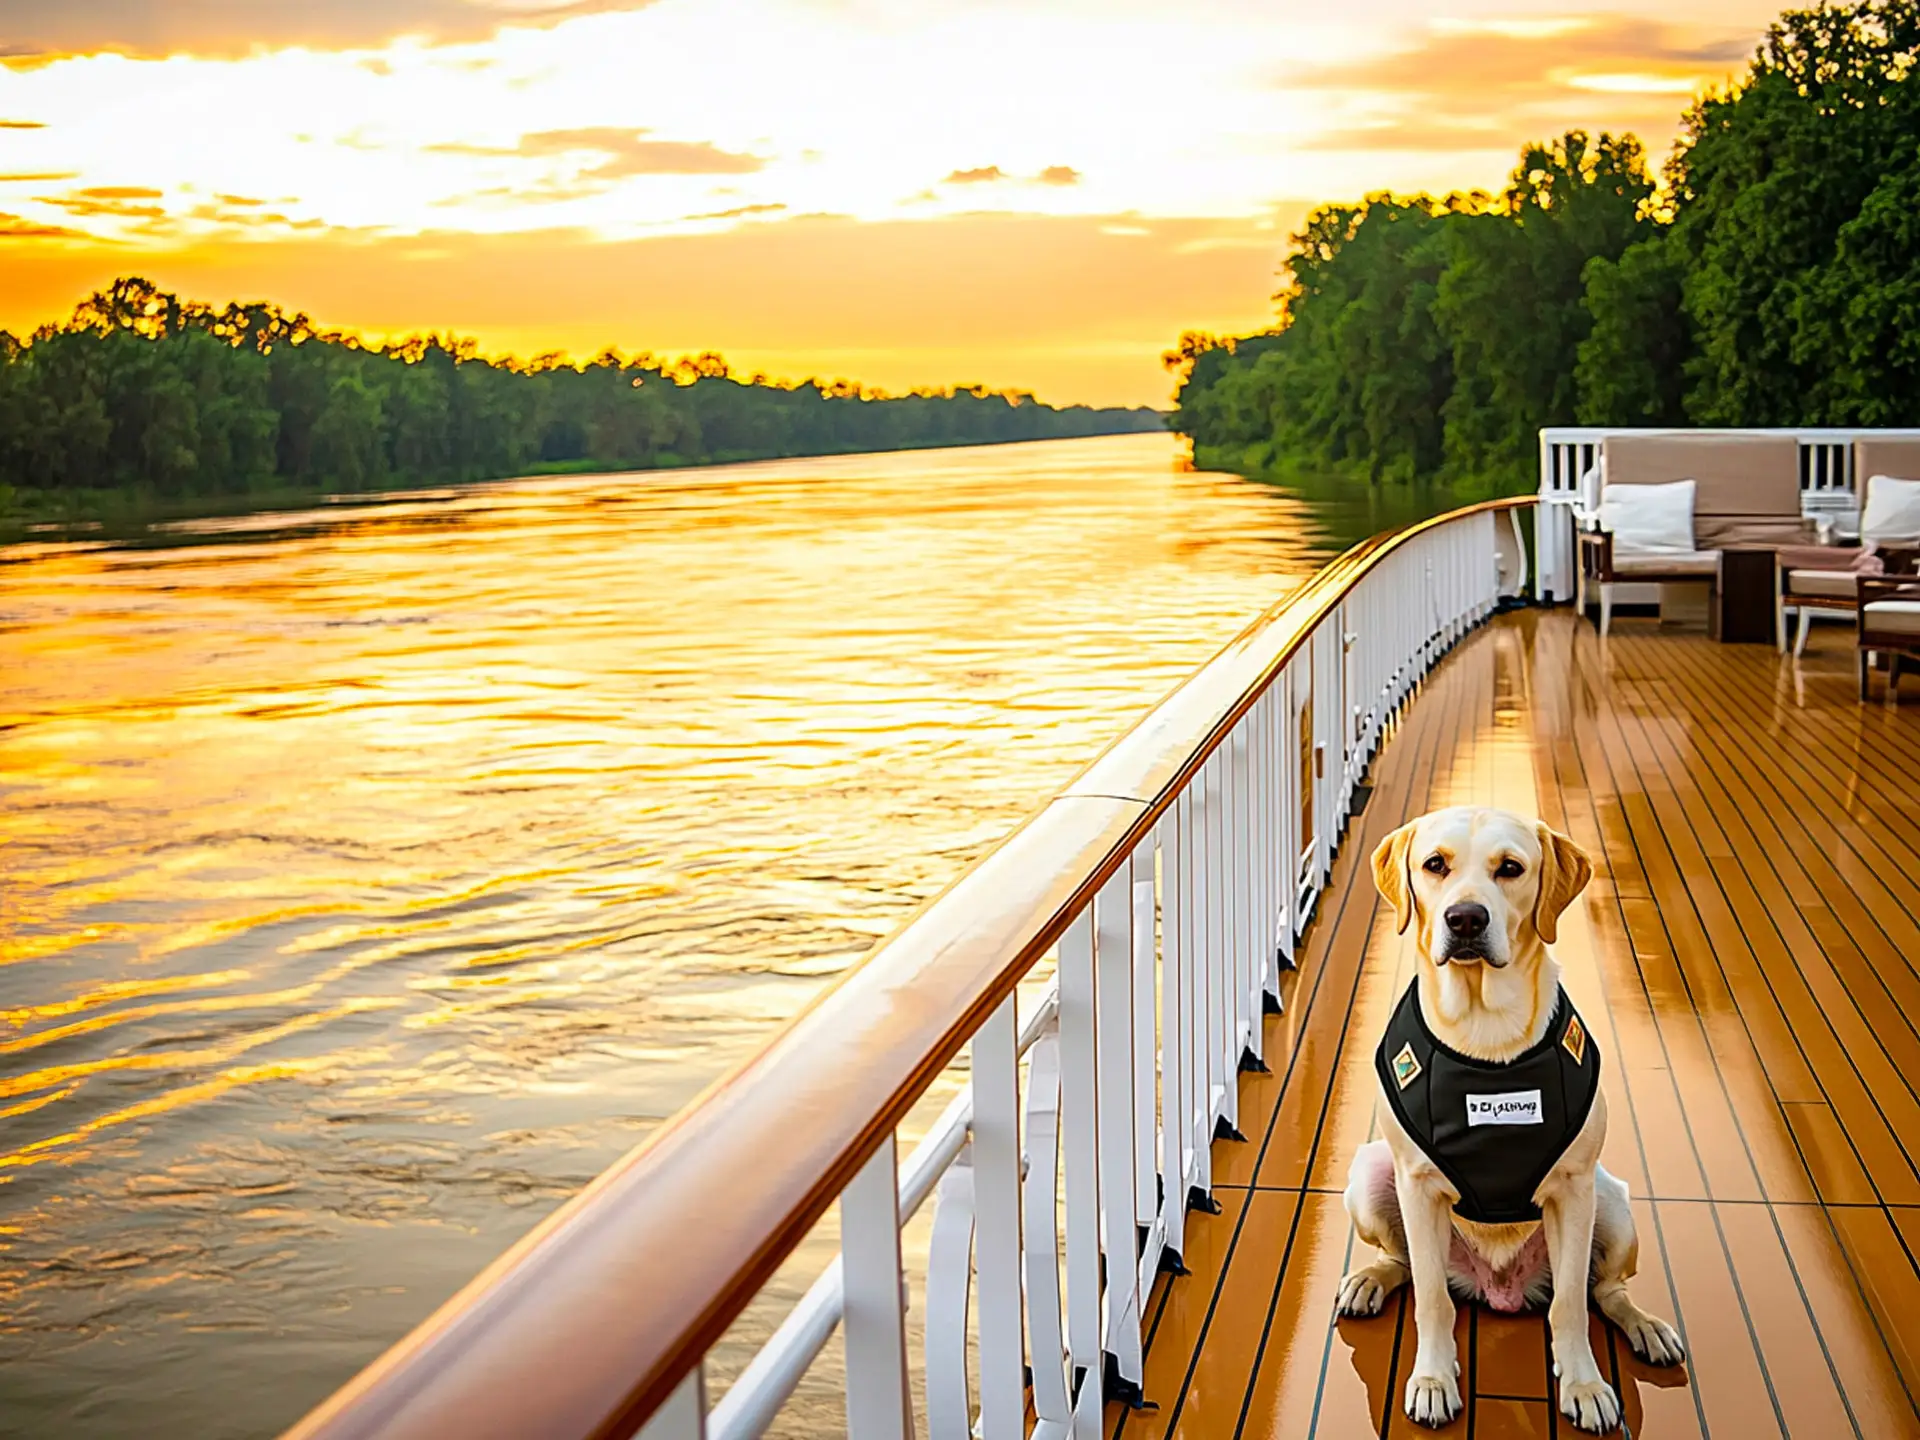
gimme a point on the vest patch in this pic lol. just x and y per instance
(1576, 1040)
(1406, 1069)
(1517, 1107)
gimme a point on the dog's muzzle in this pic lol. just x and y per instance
(1466, 937)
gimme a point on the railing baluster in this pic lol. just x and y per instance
(949, 1294)
(877, 1406)
(1040, 1240)
(1113, 964)
(684, 1415)
(1080, 1126)
(1176, 1069)
(1222, 1051)
(1235, 780)
(996, 1159)
(1145, 1068)
(1196, 1001)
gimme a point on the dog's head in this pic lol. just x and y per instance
(1485, 885)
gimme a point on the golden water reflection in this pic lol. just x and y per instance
(373, 878)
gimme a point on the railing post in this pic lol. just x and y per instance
(1080, 1133)
(996, 1180)
(877, 1405)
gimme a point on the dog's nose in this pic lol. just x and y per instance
(1469, 922)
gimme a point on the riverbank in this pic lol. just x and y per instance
(1346, 501)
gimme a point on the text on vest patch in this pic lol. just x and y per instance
(1517, 1107)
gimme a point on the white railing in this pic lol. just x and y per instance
(1170, 883)
(1570, 454)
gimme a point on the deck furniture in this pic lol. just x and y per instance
(1888, 623)
(1744, 592)
(1746, 495)
(1824, 578)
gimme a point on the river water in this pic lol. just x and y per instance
(371, 877)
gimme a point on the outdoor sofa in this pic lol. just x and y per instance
(1702, 494)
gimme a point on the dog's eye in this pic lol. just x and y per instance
(1509, 870)
(1435, 865)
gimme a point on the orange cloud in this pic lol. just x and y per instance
(117, 200)
(13, 227)
(628, 153)
(39, 30)
(22, 125)
(1476, 86)
(1050, 304)
(738, 211)
(993, 175)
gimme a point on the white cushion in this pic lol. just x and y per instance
(1649, 519)
(1826, 584)
(1892, 513)
(1893, 617)
(1703, 563)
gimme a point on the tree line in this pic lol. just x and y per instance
(143, 390)
(1772, 278)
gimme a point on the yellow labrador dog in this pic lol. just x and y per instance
(1488, 1184)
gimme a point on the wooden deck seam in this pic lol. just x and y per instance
(1807, 813)
(1793, 952)
(1813, 943)
(1839, 889)
(1645, 843)
(1889, 821)
(1867, 765)
(1609, 885)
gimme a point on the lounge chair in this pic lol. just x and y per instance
(1827, 577)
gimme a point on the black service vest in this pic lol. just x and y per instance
(1493, 1130)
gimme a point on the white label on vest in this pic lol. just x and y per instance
(1518, 1107)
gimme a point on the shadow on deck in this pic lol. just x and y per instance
(1748, 956)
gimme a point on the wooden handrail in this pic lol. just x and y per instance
(586, 1325)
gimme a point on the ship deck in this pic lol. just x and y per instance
(1748, 957)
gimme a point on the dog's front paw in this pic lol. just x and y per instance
(1364, 1291)
(1590, 1404)
(1655, 1341)
(1433, 1399)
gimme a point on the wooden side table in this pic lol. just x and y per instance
(1743, 599)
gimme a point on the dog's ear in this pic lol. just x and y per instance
(1564, 872)
(1393, 876)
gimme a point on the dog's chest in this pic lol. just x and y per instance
(1494, 1131)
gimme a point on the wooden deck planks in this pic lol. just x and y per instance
(1748, 956)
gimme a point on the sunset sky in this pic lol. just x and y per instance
(1031, 193)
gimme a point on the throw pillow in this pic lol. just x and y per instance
(1892, 513)
(1649, 519)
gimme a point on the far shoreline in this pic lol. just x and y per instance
(126, 516)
